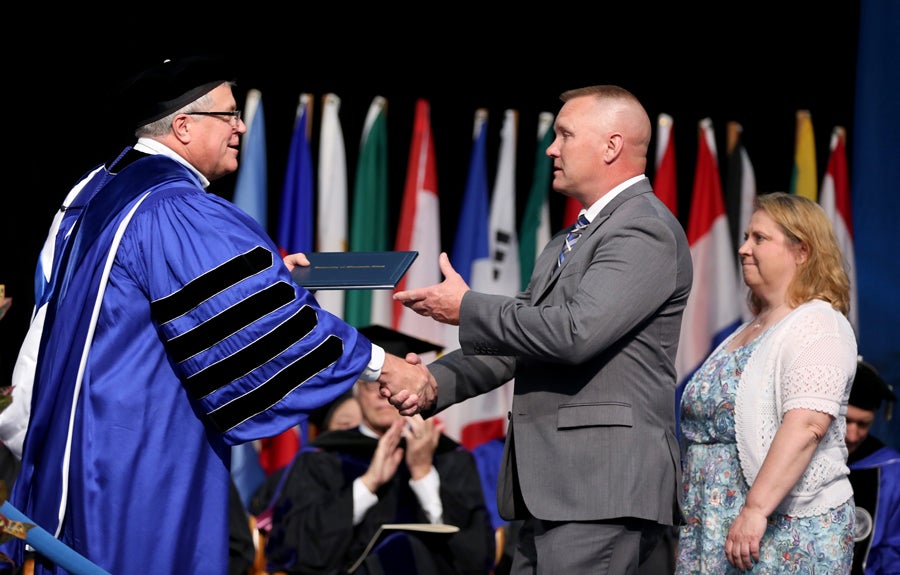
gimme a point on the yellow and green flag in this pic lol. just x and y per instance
(804, 181)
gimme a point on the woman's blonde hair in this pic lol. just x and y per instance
(806, 225)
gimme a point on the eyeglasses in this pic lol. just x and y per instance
(234, 120)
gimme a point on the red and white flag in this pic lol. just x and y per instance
(713, 309)
(419, 228)
(834, 197)
(665, 182)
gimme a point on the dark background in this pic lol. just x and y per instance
(755, 63)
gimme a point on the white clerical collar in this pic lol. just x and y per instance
(151, 146)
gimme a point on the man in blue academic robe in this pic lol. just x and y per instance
(169, 330)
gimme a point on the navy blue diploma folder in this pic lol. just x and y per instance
(353, 270)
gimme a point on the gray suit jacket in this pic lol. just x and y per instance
(592, 349)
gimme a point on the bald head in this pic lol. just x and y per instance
(602, 139)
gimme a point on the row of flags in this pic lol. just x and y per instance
(493, 252)
(717, 221)
(486, 254)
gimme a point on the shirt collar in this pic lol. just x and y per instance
(151, 146)
(595, 208)
(367, 431)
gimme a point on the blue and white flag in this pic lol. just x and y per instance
(251, 188)
(295, 218)
(481, 254)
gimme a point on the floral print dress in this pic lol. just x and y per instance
(714, 489)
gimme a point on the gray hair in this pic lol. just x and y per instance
(163, 126)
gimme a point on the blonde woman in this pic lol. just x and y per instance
(765, 482)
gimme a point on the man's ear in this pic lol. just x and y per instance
(181, 128)
(614, 145)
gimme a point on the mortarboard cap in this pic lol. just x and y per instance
(170, 85)
(869, 389)
(322, 415)
(397, 343)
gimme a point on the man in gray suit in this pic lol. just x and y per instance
(591, 461)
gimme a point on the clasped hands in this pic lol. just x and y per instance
(440, 302)
(406, 382)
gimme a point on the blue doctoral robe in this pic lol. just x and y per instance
(173, 332)
(875, 475)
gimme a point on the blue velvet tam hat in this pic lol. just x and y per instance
(170, 85)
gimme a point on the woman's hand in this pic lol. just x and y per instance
(742, 542)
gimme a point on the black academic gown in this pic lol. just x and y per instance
(312, 527)
(241, 551)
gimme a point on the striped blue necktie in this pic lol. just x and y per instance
(572, 238)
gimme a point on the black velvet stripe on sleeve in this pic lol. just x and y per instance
(231, 320)
(214, 281)
(274, 390)
(221, 373)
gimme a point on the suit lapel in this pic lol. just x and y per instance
(545, 269)
(546, 265)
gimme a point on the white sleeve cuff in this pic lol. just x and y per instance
(376, 362)
(428, 492)
(363, 500)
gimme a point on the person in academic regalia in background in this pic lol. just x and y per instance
(390, 469)
(875, 476)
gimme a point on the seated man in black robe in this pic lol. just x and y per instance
(391, 469)
(875, 476)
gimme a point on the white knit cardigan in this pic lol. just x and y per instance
(807, 361)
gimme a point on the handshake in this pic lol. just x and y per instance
(407, 384)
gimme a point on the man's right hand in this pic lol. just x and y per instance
(407, 384)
